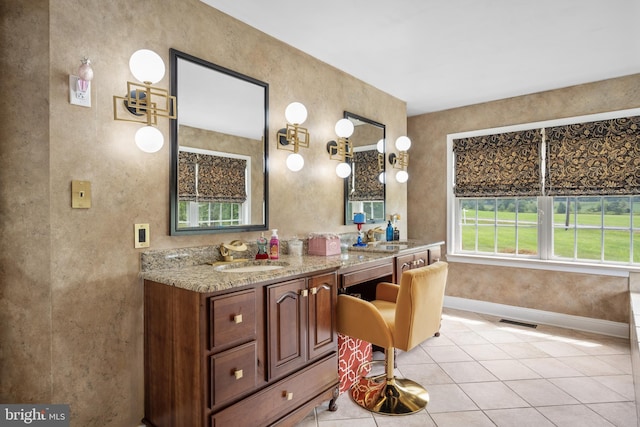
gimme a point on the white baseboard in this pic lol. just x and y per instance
(530, 315)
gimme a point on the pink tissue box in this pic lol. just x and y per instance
(325, 245)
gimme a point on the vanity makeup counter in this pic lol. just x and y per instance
(192, 269)
(247, 348)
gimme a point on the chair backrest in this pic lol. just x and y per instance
(419, 304)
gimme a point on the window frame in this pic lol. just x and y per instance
(545, 204)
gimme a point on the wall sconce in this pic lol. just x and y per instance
(145, 103)
(80, 85)
(342, 150)
(293, 136)
(401, 160)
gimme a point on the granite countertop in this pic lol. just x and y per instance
(191, 268)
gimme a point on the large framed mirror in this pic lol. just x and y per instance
(364, 189)
(219, 149)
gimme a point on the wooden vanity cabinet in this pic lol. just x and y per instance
(416, 259)
(259, 356)
(301, 322)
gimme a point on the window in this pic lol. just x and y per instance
(371, 208)
(600, 229)
(210, 214)
(507, 226)
(212, 189)
(565, 191)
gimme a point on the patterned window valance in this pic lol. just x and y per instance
(506, 164)
(208, 178)
(365, 171)
(601, 157)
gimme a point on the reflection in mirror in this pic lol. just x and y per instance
(219, 146)
(363, 189)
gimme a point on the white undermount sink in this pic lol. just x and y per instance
(251, 266)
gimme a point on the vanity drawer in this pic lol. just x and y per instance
(274, 402)
(232, 319)
(233, 372)
(366, 274)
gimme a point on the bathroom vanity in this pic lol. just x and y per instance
(245, 349)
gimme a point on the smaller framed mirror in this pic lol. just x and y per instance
(364, 189)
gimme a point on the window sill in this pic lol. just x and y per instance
(536, 264)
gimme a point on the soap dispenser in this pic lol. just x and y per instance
(274, 245)
(389, 232)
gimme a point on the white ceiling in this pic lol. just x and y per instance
(440, 54)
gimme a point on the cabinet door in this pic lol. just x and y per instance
(322, 308)
(287, 326)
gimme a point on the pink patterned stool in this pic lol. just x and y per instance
(352, 354)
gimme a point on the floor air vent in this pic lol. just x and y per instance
(513, 322)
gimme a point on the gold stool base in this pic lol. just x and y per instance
(396, 396)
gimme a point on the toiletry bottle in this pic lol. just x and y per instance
(389, 232)
(262, 247)
(274, 245)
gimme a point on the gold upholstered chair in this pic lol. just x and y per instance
(402, 316)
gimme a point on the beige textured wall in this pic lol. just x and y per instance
(25, 225)
(598, 297)
(71, 325)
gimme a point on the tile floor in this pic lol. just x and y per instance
(482, 372)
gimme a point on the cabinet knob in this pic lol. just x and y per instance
(237, 318)
(238, 373)
(304, 292)
(314, 290)
(288, 395)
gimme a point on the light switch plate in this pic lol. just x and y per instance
(81, 194)
(141, 236)
(76, 96)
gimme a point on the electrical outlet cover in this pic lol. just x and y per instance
(141, 236)
(76, 96)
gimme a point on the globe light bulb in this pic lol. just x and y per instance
(403, 143)
(149, 139)
(146, 66)
(296, 113)
(344, 128)
(380, 146)
(402, 176)
(295, 162)
(382, 177)
(343, 170)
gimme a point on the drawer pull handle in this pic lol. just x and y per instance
(420, 261)
(314, 291)
(237, 318)
(238, 373)
(405, 265)
(288, 395)
(304, 292)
